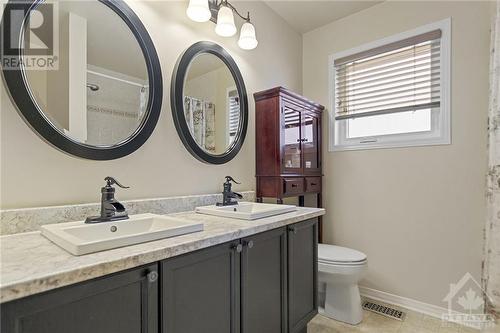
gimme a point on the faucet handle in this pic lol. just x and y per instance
(237, 195)
(231, 179)
(110, 181)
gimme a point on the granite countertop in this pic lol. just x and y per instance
(31, 264)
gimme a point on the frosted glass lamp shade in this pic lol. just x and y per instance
(198, 10)
(247, 40)
(225, 22)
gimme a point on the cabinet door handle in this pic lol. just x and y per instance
(249, 244)
(292, 229)
(152, 276)
(238, 248)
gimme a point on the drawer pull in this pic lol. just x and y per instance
(313, 184)
(238, 248)
(152, 276)
(294, 185)
(292, 229)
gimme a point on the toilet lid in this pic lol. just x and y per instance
(333, 253)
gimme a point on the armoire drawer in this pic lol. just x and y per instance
(313, 184)
(293, 185)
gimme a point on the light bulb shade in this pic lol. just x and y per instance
(198, 10)
(225, 22)
(247, 40)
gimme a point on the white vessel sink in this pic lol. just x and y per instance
(246, 210)
(80, 238)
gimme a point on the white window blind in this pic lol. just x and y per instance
(234, 113)
(397, 77)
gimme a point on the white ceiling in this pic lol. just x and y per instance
(307, 15)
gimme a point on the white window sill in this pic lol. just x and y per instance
(384, 144)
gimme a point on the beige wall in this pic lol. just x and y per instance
(35, 174)
(416, 212)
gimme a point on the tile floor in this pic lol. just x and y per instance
(375, 323)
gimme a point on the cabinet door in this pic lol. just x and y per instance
(302, 274)
(124, 302)
(263, 283)
(311, 145)
(200, 291)
(291, 124)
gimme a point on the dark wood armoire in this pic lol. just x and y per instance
(288, 145)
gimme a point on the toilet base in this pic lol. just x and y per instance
(343, 303)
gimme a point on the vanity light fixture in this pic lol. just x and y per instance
(198, 11)
(222, 14)
(225, 22)
(247, 40)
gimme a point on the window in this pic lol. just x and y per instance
(393, 92)
(233, 118)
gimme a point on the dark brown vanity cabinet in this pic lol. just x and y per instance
(279, 279)
(302, 254)
(247, 286)
(264, 283)
(201, 291)
(125, 302)
(234, 287)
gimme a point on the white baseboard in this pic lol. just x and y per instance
(407, 303)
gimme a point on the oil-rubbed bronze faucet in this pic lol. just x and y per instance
(111, 209)
(228, 195)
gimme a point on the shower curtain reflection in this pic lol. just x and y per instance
(200, 117)
(115, 109)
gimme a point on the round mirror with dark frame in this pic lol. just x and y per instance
(85, 76)
(209, 103)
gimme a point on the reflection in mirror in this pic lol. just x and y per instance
(211, 104)
(99, 93)
(292, 139)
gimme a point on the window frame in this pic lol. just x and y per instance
(229, 90)
(440, 121)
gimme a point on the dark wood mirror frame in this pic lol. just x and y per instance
(177, 102)
(19, 92)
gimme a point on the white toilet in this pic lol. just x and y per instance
(340, 270)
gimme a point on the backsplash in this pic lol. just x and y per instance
(14, 221)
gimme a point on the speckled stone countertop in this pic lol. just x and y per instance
(31, 264)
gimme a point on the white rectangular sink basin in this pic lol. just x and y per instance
(80, 238)
(246, 210)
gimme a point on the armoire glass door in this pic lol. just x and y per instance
(310, 143)
(292, 157)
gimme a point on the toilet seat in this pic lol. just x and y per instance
(339, 263)
(340, 256)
